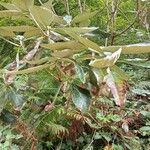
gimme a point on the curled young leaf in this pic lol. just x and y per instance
(108, 61)
(118, 88)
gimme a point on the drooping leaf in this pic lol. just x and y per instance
(145, 64)
(48, 4)
(64, 45)
(84, 16)
(34, 32)
(85, 23)
(29, 70)
(6, 33)
(81, 98)
(118, 88)
(9, 13)
(28, 30)
(78, 30)
(23, 4)
(120, 72)
(19, 28)
(86, 42)
(108, 61)
(9, 6)
(62, 54)
(129, 49)
(42, 15)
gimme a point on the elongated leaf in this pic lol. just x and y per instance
(9, 13)
(78, 30)
(81, 98)
(117, 87)
(9, 6)
(31, 33)
(6, 33)
(64, 45)
(120, 72)
(140, 65)
(23, 4)
(86, 42)
(83, 17)
(108, 61)
(43, 16)
(29, 70)
(29, 30)
(62, 54)
(19, 28)
(129, 49)
(48, 4)
(85, 23)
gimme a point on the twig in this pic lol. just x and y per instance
(80, 6)
(92, 140)
(57, 93)
(67, 7)
(10, 42)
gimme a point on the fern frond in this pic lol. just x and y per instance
(57, 129)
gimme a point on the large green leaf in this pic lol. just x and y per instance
(84, 16)
(129, 49)
(81, 98)
(23, 4)
(64, 45)
(108, 61)
(42, 16)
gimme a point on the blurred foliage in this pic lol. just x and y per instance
(60, 89)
